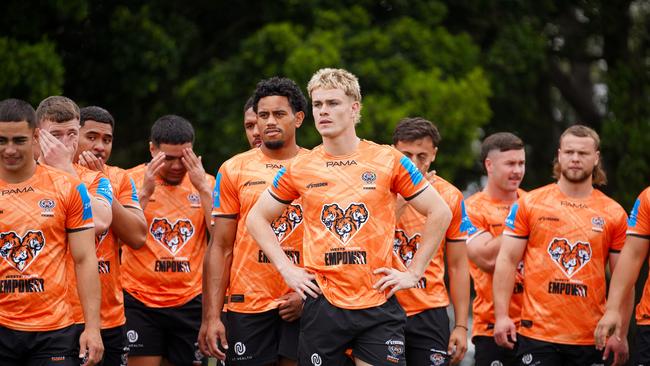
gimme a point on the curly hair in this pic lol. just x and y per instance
(281, 87)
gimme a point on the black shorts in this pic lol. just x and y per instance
(488, 353)
(375, 335)
(427, 337)
(540, 353)
(116, 348)
(51, 348)
(641, 355)
(259, 339)
(168, 332)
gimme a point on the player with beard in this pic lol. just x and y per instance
(162, 280)
(348, 189)
(128, 226)
(566, 232)
(263, 312)
(250, 125)
(504, 160)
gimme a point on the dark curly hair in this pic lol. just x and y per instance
(283, 87)
(97, 114)
(173, 130)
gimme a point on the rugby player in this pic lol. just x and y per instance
(250, 125)
(348, 189)
(566, 233)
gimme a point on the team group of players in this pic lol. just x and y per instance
(292, 256)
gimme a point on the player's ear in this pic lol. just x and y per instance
(152, 149)
(300, 117)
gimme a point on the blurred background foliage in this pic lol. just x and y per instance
(473, 67)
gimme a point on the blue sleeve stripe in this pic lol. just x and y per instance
(414, 173)
(105, 190)
(134, 192)
(634, 215)
(276, 180)
(85, 200)
(466, 225)
(216, 193)
(510, 220)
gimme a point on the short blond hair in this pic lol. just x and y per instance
(329, 78)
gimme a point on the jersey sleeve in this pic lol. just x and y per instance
(407, 179)
(79, 213)
(454, 231)
(282, 187)
(617, 234)
(102, 188)
(517, 221)
(638, 223)
(474, 221)
(225, 197)
(127, 193)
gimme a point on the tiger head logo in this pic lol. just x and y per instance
(407, 246)
(344, 224)
(284, 225)
(21, 252)
(569, 257)
(172, 236)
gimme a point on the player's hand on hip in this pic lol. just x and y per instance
(505, 332)
(91, 348)
(619, 347)
(457, 345)
(290, 307)
(194, 167)
(609, 324)
(395, 280)
(301, 281)
(212, 339)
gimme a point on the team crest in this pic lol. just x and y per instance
(437, 359)
(344, 224)
(569, 257)
(21, 252)
(404, 246)
(284, 225)
(195, 200)
(47, 207)
(597, 223)
(172, 236)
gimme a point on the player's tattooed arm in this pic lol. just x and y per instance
(510, 254)
(82, 249)
(217, 263)
(197, 176)
(149, 179)
(258, 223)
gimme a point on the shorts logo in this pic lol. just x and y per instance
(569, 257)
(404, 246)
(172, 236)
(240, 348)
(395, 350)
(132, 336)
(344, 224)
(316, 360)
(47, 205)
(124, 357)
(527, 359)
(21, 252)
(437, 359)
(284, 225)
(198, 356)
(496, 363)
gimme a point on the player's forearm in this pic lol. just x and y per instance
(503, 283)
(205, 193)
(260, 229)
(627, 308)
(459, 286)
(438, 219)
(102, 215)
(216, 276)
(89, 290)
(129, 225)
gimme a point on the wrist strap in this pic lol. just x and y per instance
(461, 326)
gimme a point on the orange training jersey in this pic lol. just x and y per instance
(35, 219)
(98, 186)
(255, 284)
(639, 225)
(108, 248)
(431, 291)
(569, 242)
(167, 270)
(487, 214)
(348, 205)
